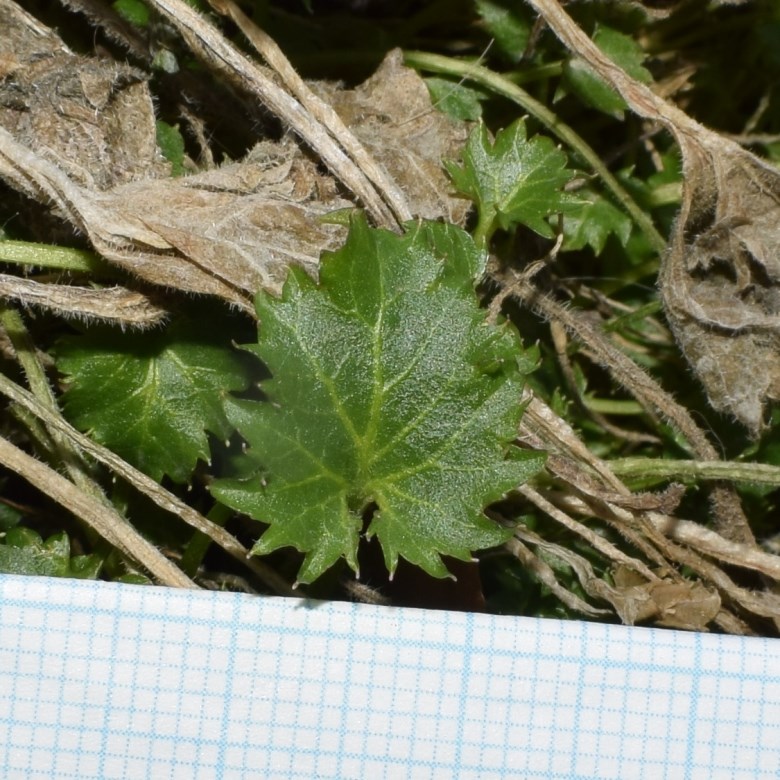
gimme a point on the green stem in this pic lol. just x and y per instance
(612, 406)
(11, 321)
(484, 229)
(449, 66)
(48, 256)
(13, 324)
(651, 470)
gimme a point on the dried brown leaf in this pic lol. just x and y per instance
(92, 117)
(392, 114)
(114, 303)
(686, 605)
(226, 232)
(720, 280)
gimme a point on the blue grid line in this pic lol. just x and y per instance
(99, 680)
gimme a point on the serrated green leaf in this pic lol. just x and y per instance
(625, 52)
(151, 397)
(509, 24)
(388, 390)
(513, 179)
(593, 223)
(24, 552)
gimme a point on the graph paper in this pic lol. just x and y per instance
(116, 681)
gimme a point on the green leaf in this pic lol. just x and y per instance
(9, 517)
(508, 24)
(171, 144)
(456, 99)
(390, 397)
(593, 223)
(135, 11)
(151, 397)
(24, 552)
(583, 81)
(513, 179)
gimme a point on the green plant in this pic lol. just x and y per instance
(388, 390)
(408, 387)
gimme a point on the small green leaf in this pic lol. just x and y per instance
(9, 517)
(171, 144)
(455, 99)
(135, 11)
(513, 179)
(24, 552)
(583, 81)
(390, 396)
(593, 223)
(151, 396)
(508, 24)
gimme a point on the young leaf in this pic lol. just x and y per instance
(24, 552)
(171, 143)
(509, 24)
(624, 52)
(457, 100)
(134, 11)
(513, 179)
(151, 396)
(390, 395)
(593, 222)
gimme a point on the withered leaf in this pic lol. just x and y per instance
(392, 114)
(685, 605)
(720, 279)
(228, 232)
(92, 117)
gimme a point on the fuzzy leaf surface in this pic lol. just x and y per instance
(151, 397)
(514, 178)
(390, 395)
(22, 551)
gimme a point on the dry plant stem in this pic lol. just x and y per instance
(544, 573)
(698, 538)
(27, 357)
(542, 429)
(726, 507)
(221, 55)
(638, 96)
(607, 549)
(651, 540)
(318, 108)
(540, 421)
(645, 389)
(110, 525)
(757, 603)
(710, 543)
(113, 304)
(593, 585)
(146, 485)
(558, 334)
